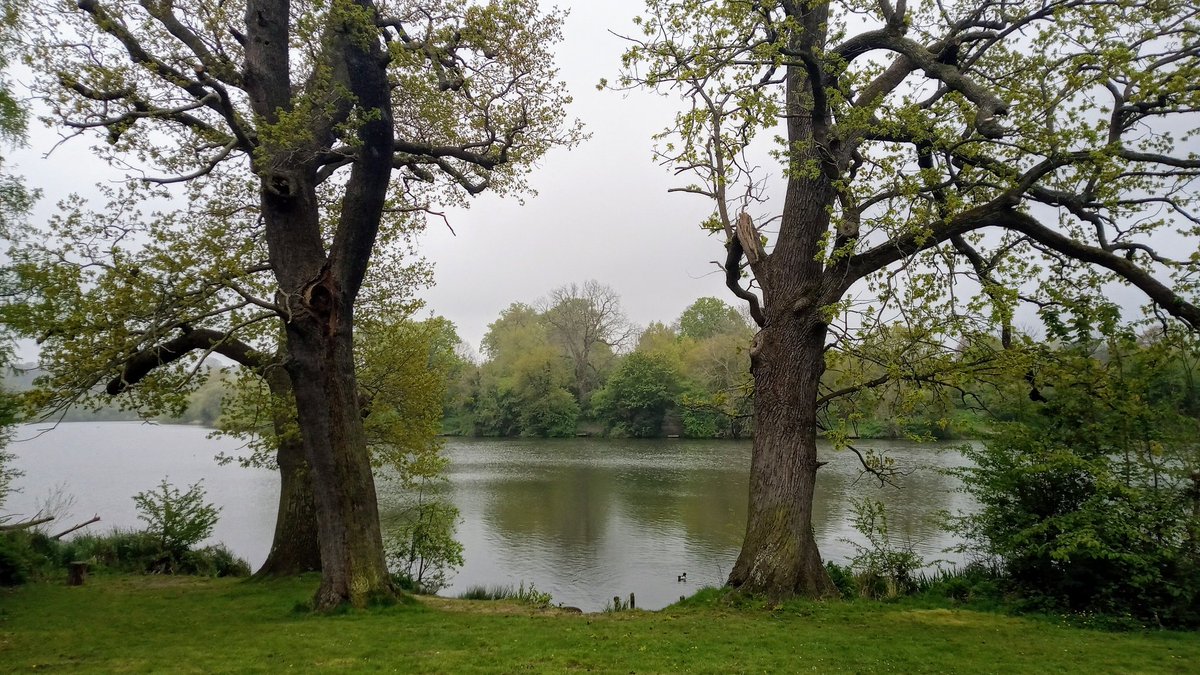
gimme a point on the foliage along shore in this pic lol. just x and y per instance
(264, 626)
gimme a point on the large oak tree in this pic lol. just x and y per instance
(937, 163)
(341, 115)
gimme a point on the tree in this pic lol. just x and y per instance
(8, 409)
(15, 198)
(175, 520)
(638, 394)
(404, 369)
(925, 150)
(707, 317)
(338, 117)
(587, 322)
(523, 384)
(402, 366)
(722, 391)
(15, 202)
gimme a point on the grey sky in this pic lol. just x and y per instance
(602, 211)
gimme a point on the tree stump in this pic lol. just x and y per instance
(77, 572)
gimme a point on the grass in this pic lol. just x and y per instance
(181, 624)
(519, 594)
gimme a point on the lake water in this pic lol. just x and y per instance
(582, 519)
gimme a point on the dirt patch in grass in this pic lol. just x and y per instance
(492, 607)
(942, 617)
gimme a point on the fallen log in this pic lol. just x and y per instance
(25, 525)
(60, 535)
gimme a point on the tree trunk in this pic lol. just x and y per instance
(294, 549)
(779, 556)
(319, 278)
(321, 365)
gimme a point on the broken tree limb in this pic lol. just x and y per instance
(60, 535)
(749, 238)
(25, 525)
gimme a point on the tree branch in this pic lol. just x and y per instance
(733, 281)
(142, 363)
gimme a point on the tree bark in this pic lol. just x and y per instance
(319, 361)
(294, 549)
(779, 556)
(352, 561)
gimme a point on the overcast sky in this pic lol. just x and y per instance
(602, 210)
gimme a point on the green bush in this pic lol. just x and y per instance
(974, 583)
(699, 422)
(1085, 498)
(481, 592)
(636, 398)
(882, 568)
(16, 559)
(176, 520)
(420, 544)
(843, 579)
(214, 561)
(128, 551)
(26, 556)
(526, 595)
(552, 414)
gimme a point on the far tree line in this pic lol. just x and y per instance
(572, 364)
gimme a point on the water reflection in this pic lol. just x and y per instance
(589, 519)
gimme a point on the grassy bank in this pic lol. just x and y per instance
(136, 624)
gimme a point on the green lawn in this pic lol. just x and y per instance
(138, 624)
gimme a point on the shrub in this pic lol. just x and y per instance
(698, 419)
(420, 544)
(552, 414)
(16, 559)
(481, 592)
(843, 579)
(974, 583)
(526, 595)
(119, 550)
(1084, 498)
(637, 395)
(882, 569)
(176, 520)
(214, 561)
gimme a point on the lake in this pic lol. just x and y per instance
(582, 519)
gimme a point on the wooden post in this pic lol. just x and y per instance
(77, 572)
(631, 604)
